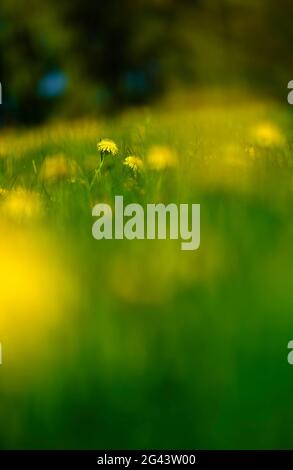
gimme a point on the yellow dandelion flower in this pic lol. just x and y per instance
(20, 204)
(161, 157)
(107, 146)
(133, 162)
(267, 134)
(57, 167)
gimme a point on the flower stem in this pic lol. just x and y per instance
(98, 170)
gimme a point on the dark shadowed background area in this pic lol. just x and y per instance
(70, 58)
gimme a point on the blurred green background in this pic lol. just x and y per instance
(137, 344)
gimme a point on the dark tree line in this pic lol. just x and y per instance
(82, 56)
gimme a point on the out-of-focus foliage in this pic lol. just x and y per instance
(73, 57)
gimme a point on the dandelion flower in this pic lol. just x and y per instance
(267, 134)
(133, 162)
(161, 157)
(107, 146)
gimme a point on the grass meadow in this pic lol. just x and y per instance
(137, 344)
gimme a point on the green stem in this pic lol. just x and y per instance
(98, 170)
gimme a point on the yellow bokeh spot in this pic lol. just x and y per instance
(58, 167)
(161, 157)
(21, 205)
(267, 134)
(35, 292)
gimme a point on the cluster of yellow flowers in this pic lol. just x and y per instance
(159, 157)
(21, 204)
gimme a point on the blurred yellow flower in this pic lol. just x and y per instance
(267, 134)
(161, 157)
(35, 289)
(107, 146)
(133, 162)
(22, 205)
(58, 167)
